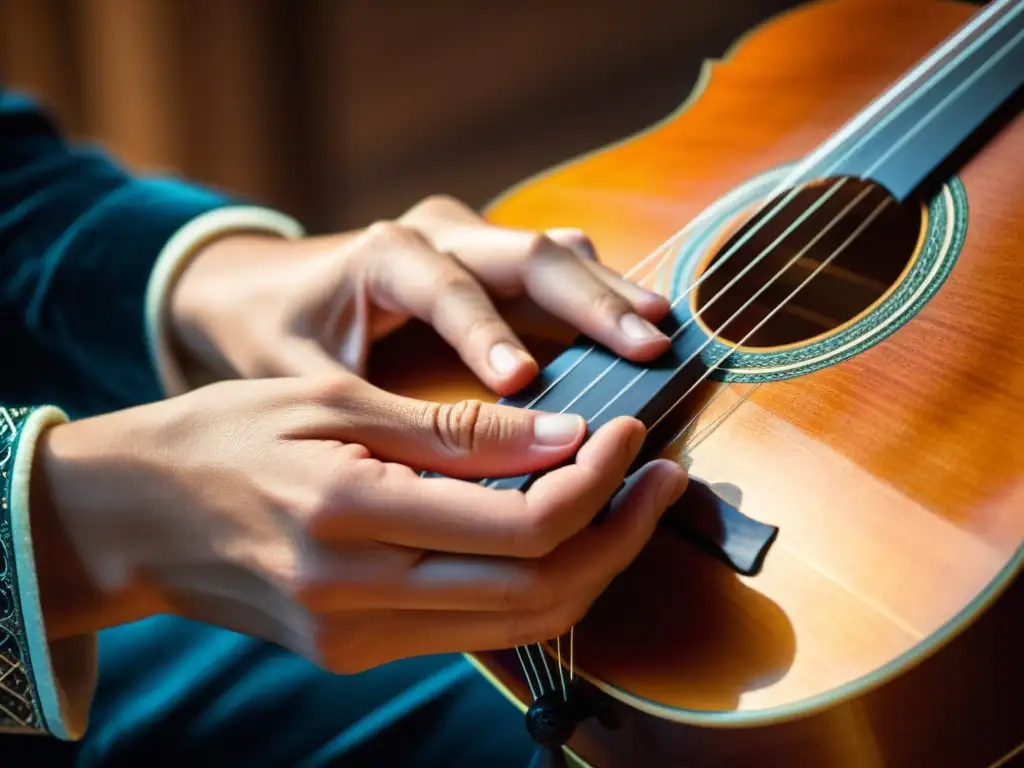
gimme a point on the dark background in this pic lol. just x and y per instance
(343, 111)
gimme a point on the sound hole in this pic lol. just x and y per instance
(784, 251)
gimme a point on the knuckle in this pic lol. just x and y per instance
(385, 234)
(486, 327)
(460, 427)
(536, 535)
(439, 204)
(357, 476)
(540, 247)
(579, 242)
(343, 489)
(607, 303)
(337, 391)
(525, 591)
(455, 280)
(313, 511)
(439, 209)
(530, 590)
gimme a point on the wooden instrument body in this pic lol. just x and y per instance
(896, 476)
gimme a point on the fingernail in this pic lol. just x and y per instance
(556, 429)
(672, 489)
(505, 359)
(638, 329)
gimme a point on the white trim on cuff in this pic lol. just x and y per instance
(64, 672)
(173, 259)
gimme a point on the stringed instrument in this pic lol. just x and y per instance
(837, 215)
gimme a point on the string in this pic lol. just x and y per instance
(704, 433)
(946, 100)
(829, 146)
(823, 151)
(799, 255)
(526, 672)
(665, 249)
(743, 308)
(547, 667)
(837, 139)
(722, 292)
(860, 228)
(561, 673)
(823, 265)
(877, 164)
(572, 670)
(668, 244)
(540, 682)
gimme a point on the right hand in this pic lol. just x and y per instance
(286, 509)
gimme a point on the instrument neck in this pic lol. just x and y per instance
(908, 132)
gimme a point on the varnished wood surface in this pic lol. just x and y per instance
(959, 708)
(897, 477)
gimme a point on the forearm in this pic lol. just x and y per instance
(89, 256)
(78, 476)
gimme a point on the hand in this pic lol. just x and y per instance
(285, 509)
(258, 307)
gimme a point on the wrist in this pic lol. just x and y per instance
(233, 296)
(184, 355)
(81, 500)
(201, 301)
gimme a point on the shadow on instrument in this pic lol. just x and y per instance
(688, 625)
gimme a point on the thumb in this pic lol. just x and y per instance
(468, 439)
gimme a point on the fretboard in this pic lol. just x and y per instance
(594, 383)
(902, 137)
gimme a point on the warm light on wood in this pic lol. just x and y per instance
(896, 477)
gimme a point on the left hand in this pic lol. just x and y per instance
(256, 306)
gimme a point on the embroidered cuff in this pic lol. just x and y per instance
(172, 261)
(44, 687)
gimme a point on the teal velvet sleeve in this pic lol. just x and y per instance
(78, 238)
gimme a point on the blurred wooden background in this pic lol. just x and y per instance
(344, 111)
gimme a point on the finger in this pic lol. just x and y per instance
(565, 286)
(353, 642)
(468, 439)
(609, 548)
(393, 505)
(575, 573)
(529, 320)
(409, 275)
(557, 271)
(650, 305)
(514, 615)
(499, 255)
